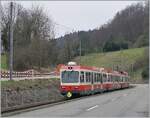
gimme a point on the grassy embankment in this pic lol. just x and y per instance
(29, 84)
(124, 59)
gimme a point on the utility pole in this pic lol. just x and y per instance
(11, 40)
(80, 51)
(0, 31)
(0, 39)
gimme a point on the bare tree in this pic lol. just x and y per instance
(33, 34)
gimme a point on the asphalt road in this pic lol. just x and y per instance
(126, 103)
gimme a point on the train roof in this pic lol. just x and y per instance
(103, 70)
(81, 67)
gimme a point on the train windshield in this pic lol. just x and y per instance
(70, 76)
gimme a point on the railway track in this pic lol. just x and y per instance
(46, 104)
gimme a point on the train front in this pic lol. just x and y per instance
(69, 79)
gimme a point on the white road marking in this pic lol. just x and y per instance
(92, 108)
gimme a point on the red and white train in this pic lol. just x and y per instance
(85, 80)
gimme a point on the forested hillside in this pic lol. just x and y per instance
(128, 29)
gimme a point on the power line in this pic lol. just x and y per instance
(64, 26)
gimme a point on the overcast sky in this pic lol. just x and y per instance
(78, 15)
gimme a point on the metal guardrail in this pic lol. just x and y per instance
(6, 74)
(27, 74)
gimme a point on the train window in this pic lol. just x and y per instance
(70, 76)
(81, 76)
(90, 77)
(101, 80)
(121, 79)
(98, 77)
(95, 77)
(104, 77)
(113, 78)
(118, 78)
(109, 78)
(87, 76)
(126, 79)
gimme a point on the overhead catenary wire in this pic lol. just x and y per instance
(71, 31)
(64, 26)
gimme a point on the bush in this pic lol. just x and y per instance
(115, 44)
(145, 73)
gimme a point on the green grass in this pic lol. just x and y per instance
(109, 59)
(28, 84)
(4, 62)
(123, 59)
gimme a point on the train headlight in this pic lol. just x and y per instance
(69, 94)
